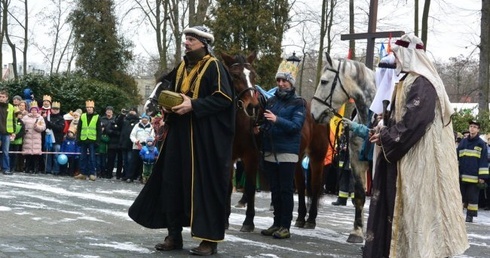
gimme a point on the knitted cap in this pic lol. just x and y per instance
(287, 71)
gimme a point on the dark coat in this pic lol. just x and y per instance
(192, 173)
(56, 124)
(128, 122)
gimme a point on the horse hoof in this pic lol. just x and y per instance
(299, 224)
(247, 228)
(310, 225)
(354, 239)
(240, 205)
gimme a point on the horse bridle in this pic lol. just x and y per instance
(328, 100)
(238, 98)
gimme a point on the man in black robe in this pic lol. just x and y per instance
(190, 181)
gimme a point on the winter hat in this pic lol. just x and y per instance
(201, 33)
(17, 97)
(287, 71)
(79, 112)
(150, 139)
(144, 116)
(28, 93)
(109, 108)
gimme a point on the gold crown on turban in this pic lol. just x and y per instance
(34, 104)
(47, 98)
(287, 71)
(56, 104)
(89, 103)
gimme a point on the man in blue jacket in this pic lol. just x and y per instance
(473, 168)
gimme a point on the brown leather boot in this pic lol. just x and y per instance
(170, 243)
(205, 248)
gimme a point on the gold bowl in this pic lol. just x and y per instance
(169, 99)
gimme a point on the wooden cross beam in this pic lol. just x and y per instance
(371, 35)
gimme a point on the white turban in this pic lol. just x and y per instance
(411, 57)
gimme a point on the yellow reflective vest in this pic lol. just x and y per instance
(88, 131)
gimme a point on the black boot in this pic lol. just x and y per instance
(469, 218)
(341, 201)
(170, 243)
(206, 248)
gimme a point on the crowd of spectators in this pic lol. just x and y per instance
(42, 133)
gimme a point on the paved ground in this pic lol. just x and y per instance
(47, 216)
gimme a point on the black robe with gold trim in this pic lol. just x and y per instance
(192, 174)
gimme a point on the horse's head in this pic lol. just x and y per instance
(341, 80)
(151, 106)
(243, 78)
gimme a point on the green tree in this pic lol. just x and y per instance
(101, 54)
(243, 26)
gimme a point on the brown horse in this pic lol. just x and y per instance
(314, 142)
(246, 143)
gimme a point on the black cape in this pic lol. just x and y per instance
(192, 174)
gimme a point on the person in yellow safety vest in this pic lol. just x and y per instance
(7, 129)
(90, 131)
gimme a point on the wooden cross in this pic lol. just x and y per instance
(372, 34)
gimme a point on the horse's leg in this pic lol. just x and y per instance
(251, 165)
(318, 150)
(316, 185)
(299, 182)
(357, 235)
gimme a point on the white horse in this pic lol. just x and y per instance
(342, 80)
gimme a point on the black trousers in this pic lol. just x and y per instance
(470, 193)
(281, 180)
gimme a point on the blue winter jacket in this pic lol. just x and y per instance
(284, 136)
(473, 163)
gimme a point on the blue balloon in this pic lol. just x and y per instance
(62, 159)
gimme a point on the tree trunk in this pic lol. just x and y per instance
(26, 37)
(323, 31)
(352, 42)
(425, 21)
(10, 43)
(416, 19)
(483, 76)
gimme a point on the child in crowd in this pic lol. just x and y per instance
(71, 150)
(148, 154)
(16, 157)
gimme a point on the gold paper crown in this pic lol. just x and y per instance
(89, 103)
(33, 104)
(56, 104)
(287, 70)
(46, 98)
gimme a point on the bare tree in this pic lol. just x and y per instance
(60, 33)
(5, 15)
(483, 75)
(425, 21)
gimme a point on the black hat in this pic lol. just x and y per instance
(109, 108)
(474, 122)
